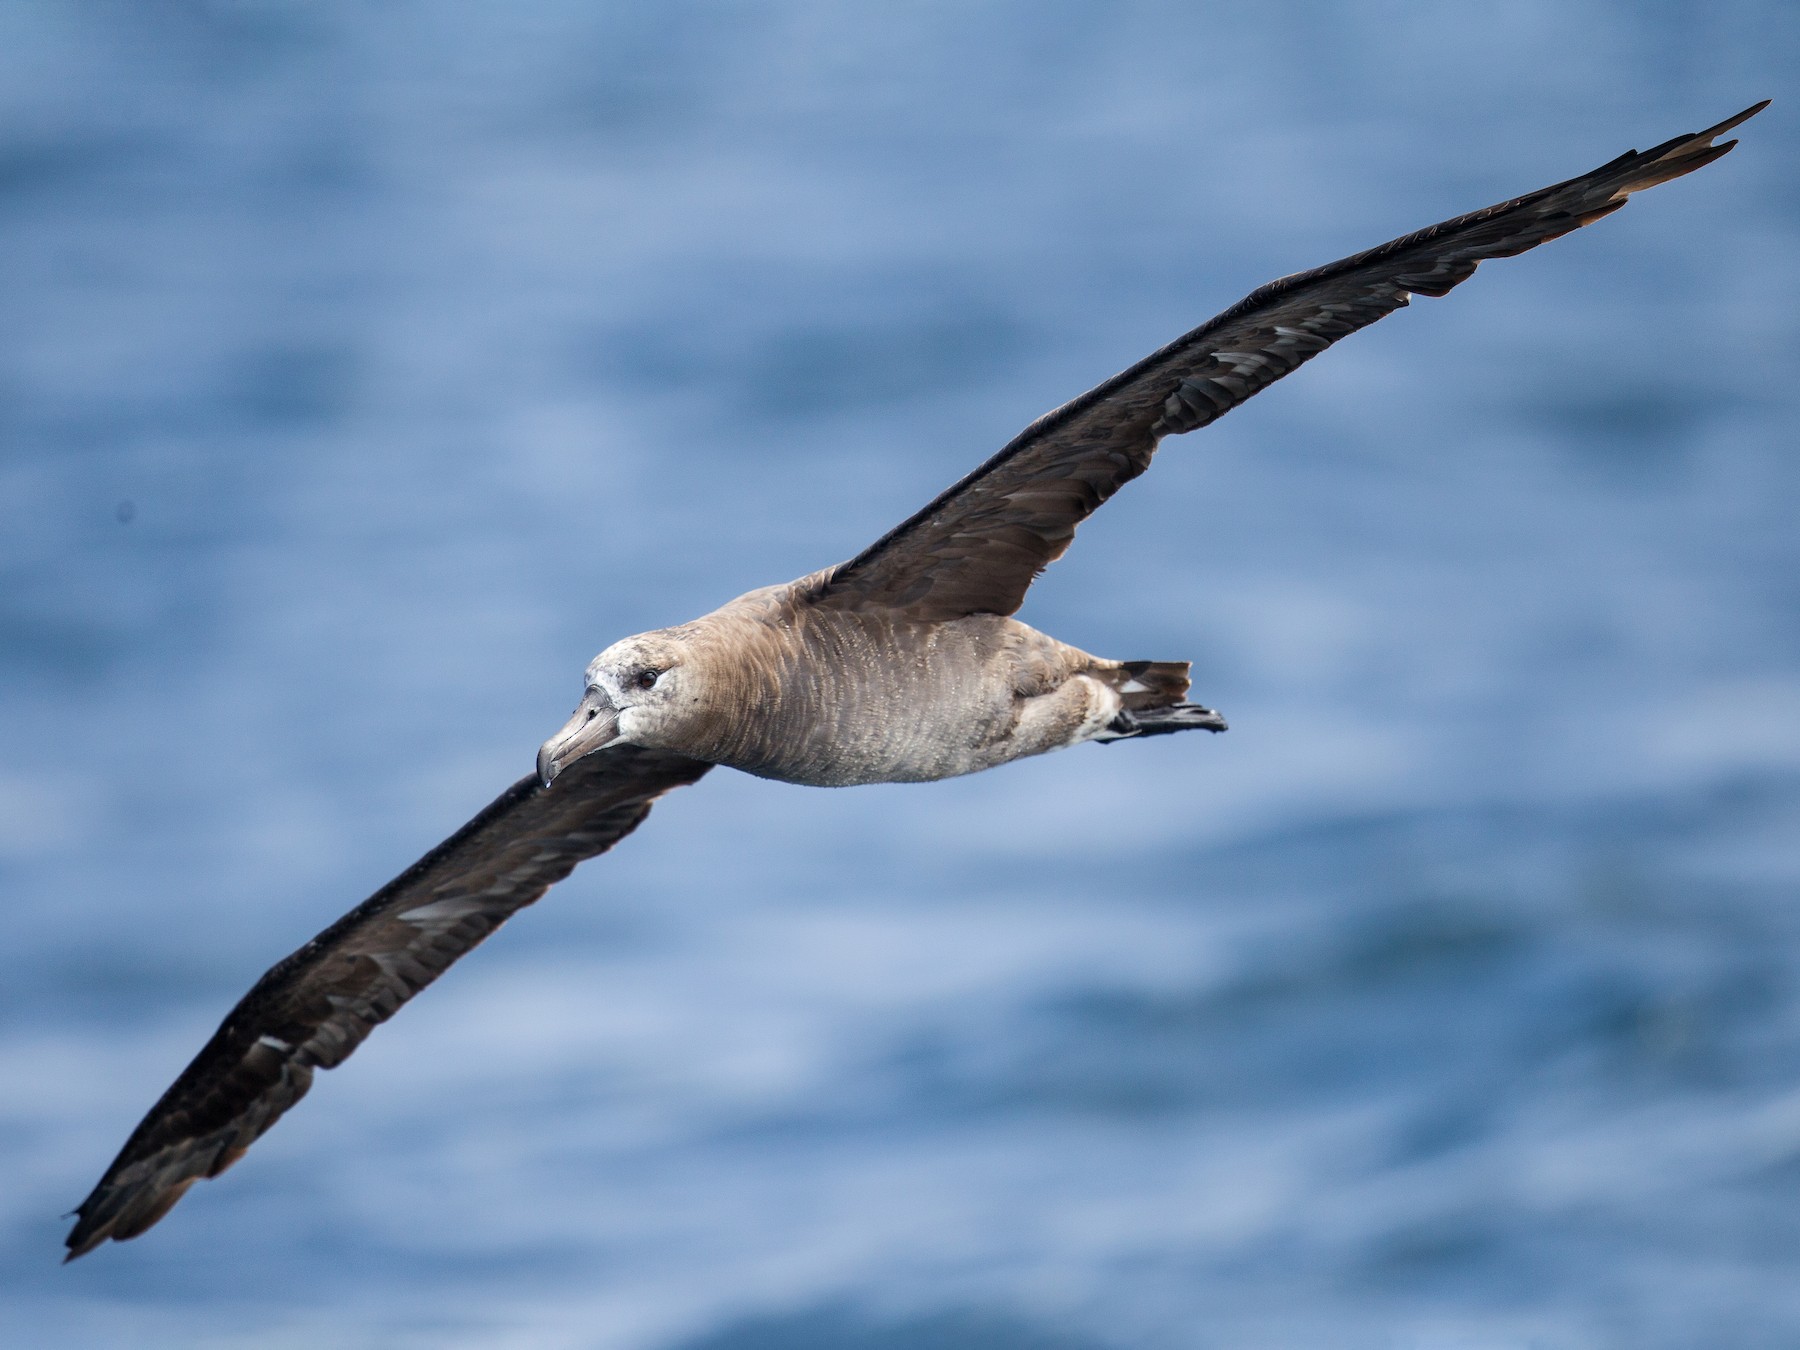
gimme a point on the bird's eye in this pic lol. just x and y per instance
(646, 679)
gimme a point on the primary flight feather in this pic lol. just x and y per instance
(901, 665)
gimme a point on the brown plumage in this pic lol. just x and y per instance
(316, 1006)
(902, 664)
(981, 543)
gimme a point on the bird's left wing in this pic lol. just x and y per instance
(316, 1006)
(981, 543)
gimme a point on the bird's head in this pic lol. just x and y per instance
(645, 690)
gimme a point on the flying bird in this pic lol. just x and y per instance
(901, 665)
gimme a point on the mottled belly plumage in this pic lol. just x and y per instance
(892, 705)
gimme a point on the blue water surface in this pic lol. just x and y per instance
(366, 368)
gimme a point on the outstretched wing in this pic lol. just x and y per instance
(980, 545)
(316, 1006)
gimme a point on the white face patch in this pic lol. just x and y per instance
(614, 670)
(274, 1043)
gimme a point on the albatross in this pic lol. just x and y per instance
(903, 664)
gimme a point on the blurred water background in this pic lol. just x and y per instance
(366, 368)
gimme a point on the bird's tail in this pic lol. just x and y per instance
(1154, 697)
(1150, 684)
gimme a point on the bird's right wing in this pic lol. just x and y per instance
(976, 548)
(316, 1006)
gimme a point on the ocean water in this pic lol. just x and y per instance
(368, 368)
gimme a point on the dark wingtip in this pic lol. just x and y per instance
(86, 1234)
(1744, 116)
(80, 1244)
(1713, 133)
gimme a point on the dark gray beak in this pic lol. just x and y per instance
(594, 726)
